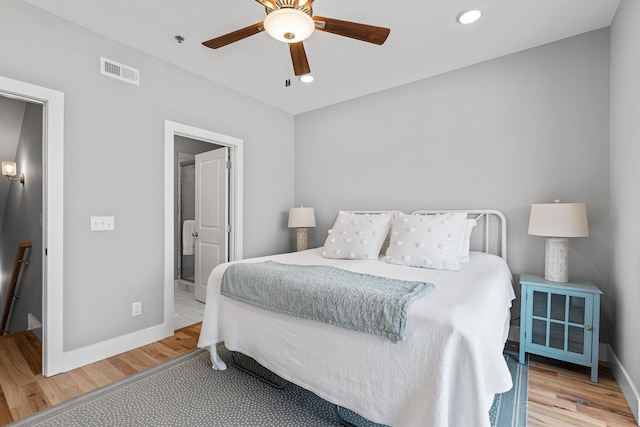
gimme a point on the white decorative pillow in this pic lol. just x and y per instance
(428, 241)
(466, 243)
(357, 236)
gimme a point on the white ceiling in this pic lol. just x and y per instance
(425, 40)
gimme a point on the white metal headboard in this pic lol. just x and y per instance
(486, 216)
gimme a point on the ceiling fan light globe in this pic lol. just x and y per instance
(289, 25)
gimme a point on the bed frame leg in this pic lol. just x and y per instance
(255, 374)
(341, 418)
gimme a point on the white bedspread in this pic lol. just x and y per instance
(444, 374)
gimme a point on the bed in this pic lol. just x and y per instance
(444, 373)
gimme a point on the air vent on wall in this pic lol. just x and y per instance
(119, 71)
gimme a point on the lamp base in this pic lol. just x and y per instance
(302, 239)
(556, 259)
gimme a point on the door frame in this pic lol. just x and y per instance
(236, 157)
(52, 102)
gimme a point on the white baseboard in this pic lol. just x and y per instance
(624, 381)
(33, 322)
(72, 359)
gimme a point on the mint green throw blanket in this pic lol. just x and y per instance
(361, 302)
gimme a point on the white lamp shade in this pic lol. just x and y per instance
(289, 25)
(302, 217)
(559, 220)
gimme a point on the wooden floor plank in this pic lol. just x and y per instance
(562, 395)
(158, 351)
(5, 412)
(36, 396)
(52, 390)
(545, 416)
(68, 384)
(11, 390)
(106, 370)
(96, 374)
(31, 351)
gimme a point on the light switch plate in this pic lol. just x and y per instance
(102, 223)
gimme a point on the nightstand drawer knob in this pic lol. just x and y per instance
(589, 327)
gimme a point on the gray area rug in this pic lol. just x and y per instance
(185, 392)
(510, 408)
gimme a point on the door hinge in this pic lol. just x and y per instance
(228, 164)
(227, 228)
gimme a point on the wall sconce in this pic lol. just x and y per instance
(301, 218)
(557, 221)
(9, 170)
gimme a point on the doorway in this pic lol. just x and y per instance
(21, 142)
(231, 217)
(201, 238)
(52, 202)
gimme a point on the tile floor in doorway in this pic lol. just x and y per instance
(186, 310)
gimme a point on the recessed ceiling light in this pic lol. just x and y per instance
(307, 78)
(469, 16)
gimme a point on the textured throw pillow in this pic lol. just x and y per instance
(357, 236)
(428, 241)
(466, 243)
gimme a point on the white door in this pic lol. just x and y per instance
(211, 218)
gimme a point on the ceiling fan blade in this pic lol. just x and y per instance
(299, 59)
(366, 33)
(234, 36)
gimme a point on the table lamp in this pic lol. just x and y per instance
(558, 221)
(301, 218)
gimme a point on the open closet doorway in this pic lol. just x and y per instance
(203, 210)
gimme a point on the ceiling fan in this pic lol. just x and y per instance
(292, 21)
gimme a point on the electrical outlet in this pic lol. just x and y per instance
(136, 308)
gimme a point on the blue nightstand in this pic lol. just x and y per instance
(560, 320)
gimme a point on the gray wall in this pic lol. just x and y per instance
(114, 149)
(22, 222)
(526, 128)
(11, 115)
(625, 178)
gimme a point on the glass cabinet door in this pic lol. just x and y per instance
(559, 322)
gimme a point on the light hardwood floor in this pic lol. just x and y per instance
(559, 394)
(562, 394)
